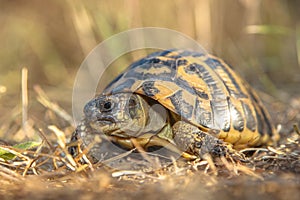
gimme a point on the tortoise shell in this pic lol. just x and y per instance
(203, 90)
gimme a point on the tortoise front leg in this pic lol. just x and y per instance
(191, 139)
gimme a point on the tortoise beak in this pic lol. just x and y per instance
(105, 120)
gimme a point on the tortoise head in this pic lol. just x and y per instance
(123, 115)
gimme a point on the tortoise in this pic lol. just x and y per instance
(186, 100)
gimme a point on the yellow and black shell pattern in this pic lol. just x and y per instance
(203, 90)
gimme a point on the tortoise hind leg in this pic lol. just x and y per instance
(191, 139)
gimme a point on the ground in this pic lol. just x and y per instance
(48, 172)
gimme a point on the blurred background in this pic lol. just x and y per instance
(260, 39)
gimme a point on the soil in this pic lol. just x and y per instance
(49, 172)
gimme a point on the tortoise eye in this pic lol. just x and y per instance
(106, 106)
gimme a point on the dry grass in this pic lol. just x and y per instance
(260, 39)
(48, 171)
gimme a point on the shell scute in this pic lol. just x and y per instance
(203, 90)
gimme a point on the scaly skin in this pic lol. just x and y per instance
(154, 129)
